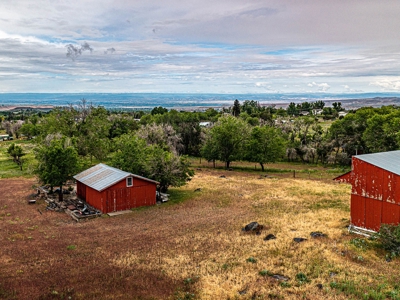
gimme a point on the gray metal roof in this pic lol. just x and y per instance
(389, 161)
(102, 176)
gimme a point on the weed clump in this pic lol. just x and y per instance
(251, 260)
(388, 238)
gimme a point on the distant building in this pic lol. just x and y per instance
(205, 124)
(317, 112)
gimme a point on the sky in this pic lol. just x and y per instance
(193, 46)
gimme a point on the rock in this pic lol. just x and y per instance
(270, 237)
(251, 226)
(332, 274)
(280, 277)
(317, 234)
(299, 239)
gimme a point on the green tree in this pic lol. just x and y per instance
(57, 161)
(236, 108)
(292, 109)
(92, 133)
(159, 110)
(29, 130)
(318, 104)
(265, 145)
(16, 152)
(337, 106)
(226, 140)
(382, 132)
(153, 161)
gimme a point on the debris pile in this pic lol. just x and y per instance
(162, 197)
(77, 209)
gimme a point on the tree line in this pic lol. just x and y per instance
(157, 144)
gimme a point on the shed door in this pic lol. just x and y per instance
(118, 199)
(139, 196)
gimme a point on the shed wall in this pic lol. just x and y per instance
(374, 198)
(120, 197)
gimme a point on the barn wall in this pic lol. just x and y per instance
(93, 197)
(120, 197)
(373, 199)
(81, 190)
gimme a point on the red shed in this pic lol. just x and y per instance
(375, 194)
(109, 189)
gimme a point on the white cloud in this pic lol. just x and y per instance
(204, 46)
(387, 84)
(322, 87)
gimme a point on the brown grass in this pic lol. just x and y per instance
(194, 249)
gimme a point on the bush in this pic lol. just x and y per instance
(389, 238)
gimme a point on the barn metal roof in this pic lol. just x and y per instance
(389, 161)
(102, 176)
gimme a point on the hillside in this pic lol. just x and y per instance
(193, 247)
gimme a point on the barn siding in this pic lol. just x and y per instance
(357, 210)
(373, 199)
(81, 190)
(120, 197)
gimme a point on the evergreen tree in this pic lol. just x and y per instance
(236, 108)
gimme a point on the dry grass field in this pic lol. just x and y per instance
(195, 249)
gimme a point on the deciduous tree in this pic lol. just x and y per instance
(226, 140)
(265, 145)
(57, 161)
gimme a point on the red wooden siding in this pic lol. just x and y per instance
(81, 190)
(374, 198)
(357, 210)
(120, 197)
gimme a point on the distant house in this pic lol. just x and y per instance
(375, 194)
(317, 111)
(304, 113)
(109, 189)
(205, 124)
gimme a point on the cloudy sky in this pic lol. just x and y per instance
(200, 46)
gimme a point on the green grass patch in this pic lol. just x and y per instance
(367, 292)
(326, 203)
(177, 195)
(8, 168)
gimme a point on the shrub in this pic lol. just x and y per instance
(302, 278)
(251, 260)
(389, 238)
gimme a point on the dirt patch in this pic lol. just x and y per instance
(194, 249)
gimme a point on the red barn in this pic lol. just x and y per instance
(375, 194)
(109, 189)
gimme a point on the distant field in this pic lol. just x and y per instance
(193, 247)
